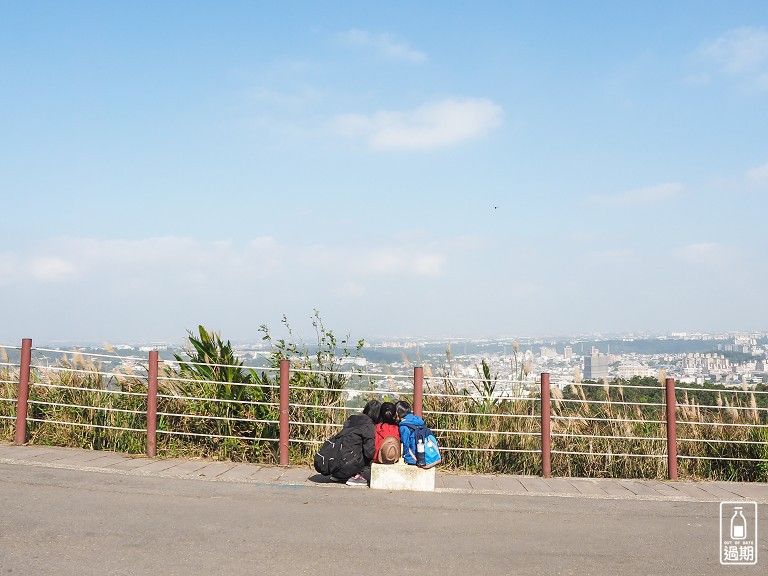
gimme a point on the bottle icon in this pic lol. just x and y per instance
(738, 525)
(420, 460)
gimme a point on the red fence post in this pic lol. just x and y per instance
(671, 430)
(152, 404)
(285, 375)
(546, 446)
(418, 390)
(23, 396)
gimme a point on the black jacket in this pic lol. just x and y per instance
(359, 436)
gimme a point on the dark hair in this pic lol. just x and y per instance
(403, 409)
(372, 409)
(388, 413)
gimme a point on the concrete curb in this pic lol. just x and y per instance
(446, 483)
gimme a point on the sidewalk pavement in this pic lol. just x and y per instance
(446, 482)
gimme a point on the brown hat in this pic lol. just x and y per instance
(389, 453)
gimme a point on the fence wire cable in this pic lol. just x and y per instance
(241, 367)
(346, 408)
(480, 397)
(499, 432)
(438, 413)
(105, 409)
(224, 400)
(342, 390)
(177, 433)
(86, 425)
(302, 441)
(608, 454)
(89, 372)
(728, 424)
(562, 385)
(327, 424)
(611, 402)
(96, 390)
(723, 441)
(79, 353)
(723, 390)
(721, 407)
(594, 419)
(719, 458)
(478, 380)
(563, 435)
(224, 418)
(351, 374)
(214, 382)
(506, 450)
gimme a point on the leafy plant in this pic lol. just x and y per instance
(216, 395)
(317, 385)
(486, 387)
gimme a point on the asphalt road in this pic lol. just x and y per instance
(69, 522)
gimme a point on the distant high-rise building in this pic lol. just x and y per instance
(596, 365)
(568, 353)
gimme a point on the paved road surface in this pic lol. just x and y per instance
(58, 519)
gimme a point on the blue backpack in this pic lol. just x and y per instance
(431, 451)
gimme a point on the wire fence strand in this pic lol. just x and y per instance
(213, 436)
(94, 390)
(86, 425)
(81, 407)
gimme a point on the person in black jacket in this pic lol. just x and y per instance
(359, 437)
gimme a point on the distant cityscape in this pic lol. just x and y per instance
(727, 359)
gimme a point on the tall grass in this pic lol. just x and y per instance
(74, 404)
(9, 391)
(616, 429)
(478, 430)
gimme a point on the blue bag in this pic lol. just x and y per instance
(431, 451)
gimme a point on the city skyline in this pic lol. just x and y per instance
(729, 361)
(466, 171)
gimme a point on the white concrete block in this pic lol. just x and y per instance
(401, 476)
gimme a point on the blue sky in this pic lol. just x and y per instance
(430, 169)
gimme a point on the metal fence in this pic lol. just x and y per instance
(145, 398)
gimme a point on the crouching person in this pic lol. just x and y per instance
(348, 454)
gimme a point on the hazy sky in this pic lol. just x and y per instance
(407, 168)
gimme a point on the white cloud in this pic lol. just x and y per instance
(740, 50)
(383, 44)
(702, 255)
(758, 175)
(428, 264)
(640, 196)
(400, 261)
(612, 258)
(351, 290)
(433, 125)
(48, 269)
(168, 265)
